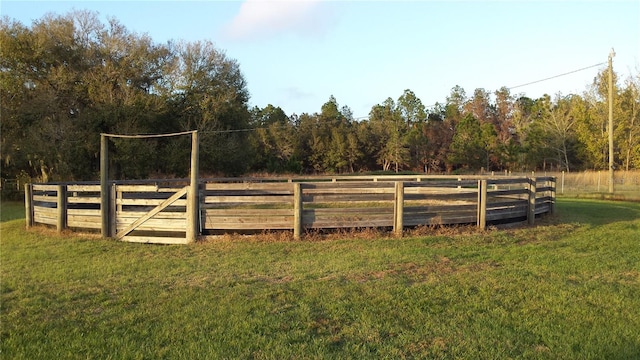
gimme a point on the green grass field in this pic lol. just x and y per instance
(568, 288)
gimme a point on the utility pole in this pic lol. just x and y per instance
(611, 55)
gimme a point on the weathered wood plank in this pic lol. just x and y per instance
(463, 195)
(351, 190)
(86, 222)
(84, 188)
(495, 181)
(506, 192)
(275, 187)
(137, 188)
(505, 214)
(154, 224)
(156, 239)
(248, 212)
(43, 218)
(45, 198)
(348, 185)
(43, 187)
(160, 215)
(542, 189)
(442, 185)
(83, 200)
(149, 202)
(440, 208)
(347, 198)
(334, 224)
(249, 199)
(45, 210)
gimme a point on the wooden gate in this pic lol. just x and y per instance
(150, 214)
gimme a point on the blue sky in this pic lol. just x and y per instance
(295, 54)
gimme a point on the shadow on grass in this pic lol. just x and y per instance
(11, 210)
(597, 212)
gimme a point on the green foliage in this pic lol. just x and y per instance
(562, 289)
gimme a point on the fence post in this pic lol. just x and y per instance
(114, 207)
(28, 204)
(193, 193)
(398, 213)
(104, 187)
(62, 208)
(482, 204)
(553, 195)
(297, 210)
(531, 215)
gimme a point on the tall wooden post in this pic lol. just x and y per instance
(62, 208)
(482, 204)
(28, 204)
(611, 55)
(553, 194)
(297, 210)
(193, 195)
(531, 215)
(104, 186)
(398, 223)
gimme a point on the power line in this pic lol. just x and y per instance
(518, 86)
(555, 76)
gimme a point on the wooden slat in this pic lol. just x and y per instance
(543, 208)
(42, 187)
(87, 222)
(248, 223)
(155, 239)
(439, 208)
(334, 224)
(348, 185)
(507, 181)
(505, 214)
(346, 198)
(471, 196)
(154, 224)
(45, 210)
(149, 202)
(501, 204)
(545, 189)
(44, 198)
(83, 200)
(83, 188)
(341, 191)
(83, 212)
(503, 192)
(350, 211)
(137, 188)
(277, 187)
(248, 212)
(249, 199)
(160, 215)
(443, 185)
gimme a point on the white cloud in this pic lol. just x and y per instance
(258, 19)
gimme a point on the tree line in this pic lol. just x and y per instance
(68, 78)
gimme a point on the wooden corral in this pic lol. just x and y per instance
(157, 211)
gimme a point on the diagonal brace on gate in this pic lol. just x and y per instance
(152, 213)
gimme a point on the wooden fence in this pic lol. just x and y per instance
(158, 212)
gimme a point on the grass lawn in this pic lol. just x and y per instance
(568, 288)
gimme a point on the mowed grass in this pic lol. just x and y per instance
(566, 288)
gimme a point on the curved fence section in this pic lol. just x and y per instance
(157, 212)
